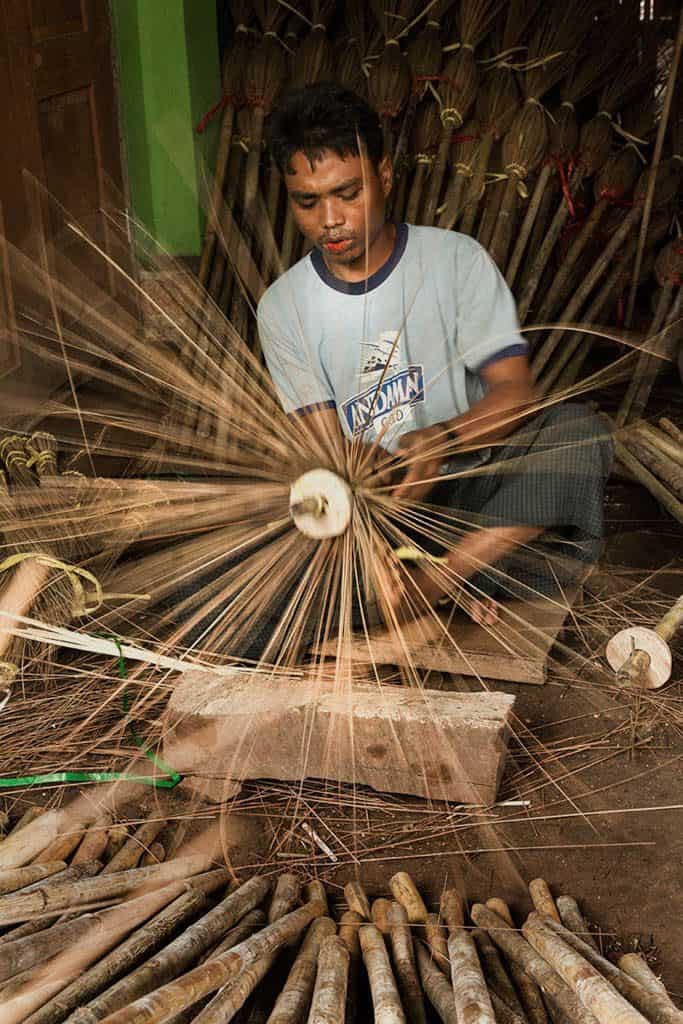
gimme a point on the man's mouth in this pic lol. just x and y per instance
(338, 245)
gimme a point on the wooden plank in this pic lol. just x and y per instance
(515, 650)
(237, 724)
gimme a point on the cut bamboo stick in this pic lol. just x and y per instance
(329, 996)
(654, 1007)
(405, 892)
(385, 998)
(437, 941)
(25, 843)
(518, 950)
(134, 847)
(638, 968)
(495, 972)
(10, 881)
(668, 471)
(356, 899)
(452, 912)
(64, 896)
(601, 998)
(348, 932)
(94, 842)
(62, 847)
(379, 914)
(472, 1000)
(672, 430)
(436, 986)
(295, 998)
(403, 956)
(88, 869)
(649, 480)
(542, 899)
(315, 890)
(155, 855)
(528, 990)
(572, 919)
(176, 996)
(667, 446)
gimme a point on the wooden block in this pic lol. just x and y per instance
(238, 724)
(516, 649)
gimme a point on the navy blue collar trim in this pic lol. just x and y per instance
(375, 280)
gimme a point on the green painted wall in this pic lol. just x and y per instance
(168, 65)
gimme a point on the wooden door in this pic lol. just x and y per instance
(58, 121)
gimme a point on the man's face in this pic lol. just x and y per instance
(339, 203)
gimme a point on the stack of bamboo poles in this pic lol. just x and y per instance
(105, 940)
(556, 173)
(654, 456)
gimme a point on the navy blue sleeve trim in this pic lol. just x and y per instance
(504, 353)
(315, 407)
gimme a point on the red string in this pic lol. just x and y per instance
(564, 182)
(464, 138)
(211, 113)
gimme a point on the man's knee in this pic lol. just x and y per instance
(574, 424)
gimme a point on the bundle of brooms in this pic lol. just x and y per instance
(103, 939)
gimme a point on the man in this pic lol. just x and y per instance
(407, 339)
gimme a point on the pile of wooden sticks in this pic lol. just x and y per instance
(104, 940)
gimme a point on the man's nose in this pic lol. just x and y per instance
(332, 213)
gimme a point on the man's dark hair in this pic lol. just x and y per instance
(319, 117)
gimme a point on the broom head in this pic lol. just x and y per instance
(564, 132)
(669, 264)
(314, 60)
(389, 82)
(497, 101)
(265, 73)
(618, 176)
(426, 129)
(526, 143)
(464, 148)
(424, 57)
(458, 89)
(595, 143)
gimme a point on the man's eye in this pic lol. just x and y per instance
(348, 196)
(306, 204)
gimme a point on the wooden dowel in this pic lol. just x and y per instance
(405, 892)
(542, 899)
(518, 950)
(379, 914)
(403, 956)
(329, 996)
(295, 997)
(385, 998)
(134, 847)
(63, 896)
(601, 998)
(652, 1006)
(572, 919)
(495, 972)
(176, 996)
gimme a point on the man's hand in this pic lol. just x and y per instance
(421, 453)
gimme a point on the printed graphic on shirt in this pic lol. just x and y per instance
(390, 388)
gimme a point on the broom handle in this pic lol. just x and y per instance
(557, 291)
(487, 224)
(476, 186)
(404, 134)
(649, 362)
(26, 582)
(583, 291)
(213, 214)
(438, 173)
(417, 190)
(254, 158)
(579, 341)
(543, 254)
(453, 200)
(527, 224)
(502, 233)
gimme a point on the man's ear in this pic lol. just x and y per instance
(386, 174)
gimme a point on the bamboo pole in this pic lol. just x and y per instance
(134, 847)
(348, 931)
(315, 890)
(22, 845)
(329, 995)
(495, 972)
(648, 480)
(406, 893)
(436, 986)
(379, 914)
(63, 846)
(81, 995)
(17, 878)
(596, 994)
(672, 430)
(294, 999)
(471, 995)
(572, 919)
(356, 899)
(403, 956)
(654, 1007)
(64, 896)
(670, 448)
(437, 942)
(155, 855)
(666, 469)
(527, 224)
(385, 998)
(542, 899)
(638, 968)
(518, 950)
(88, 869)
(661, 348)
(94, 842)
(177, 995)
(656, 157)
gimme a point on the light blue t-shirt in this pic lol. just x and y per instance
(399, 351)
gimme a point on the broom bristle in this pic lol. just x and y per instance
(564, 132)
(497, 101)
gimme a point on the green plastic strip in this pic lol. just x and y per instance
(169, 779)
